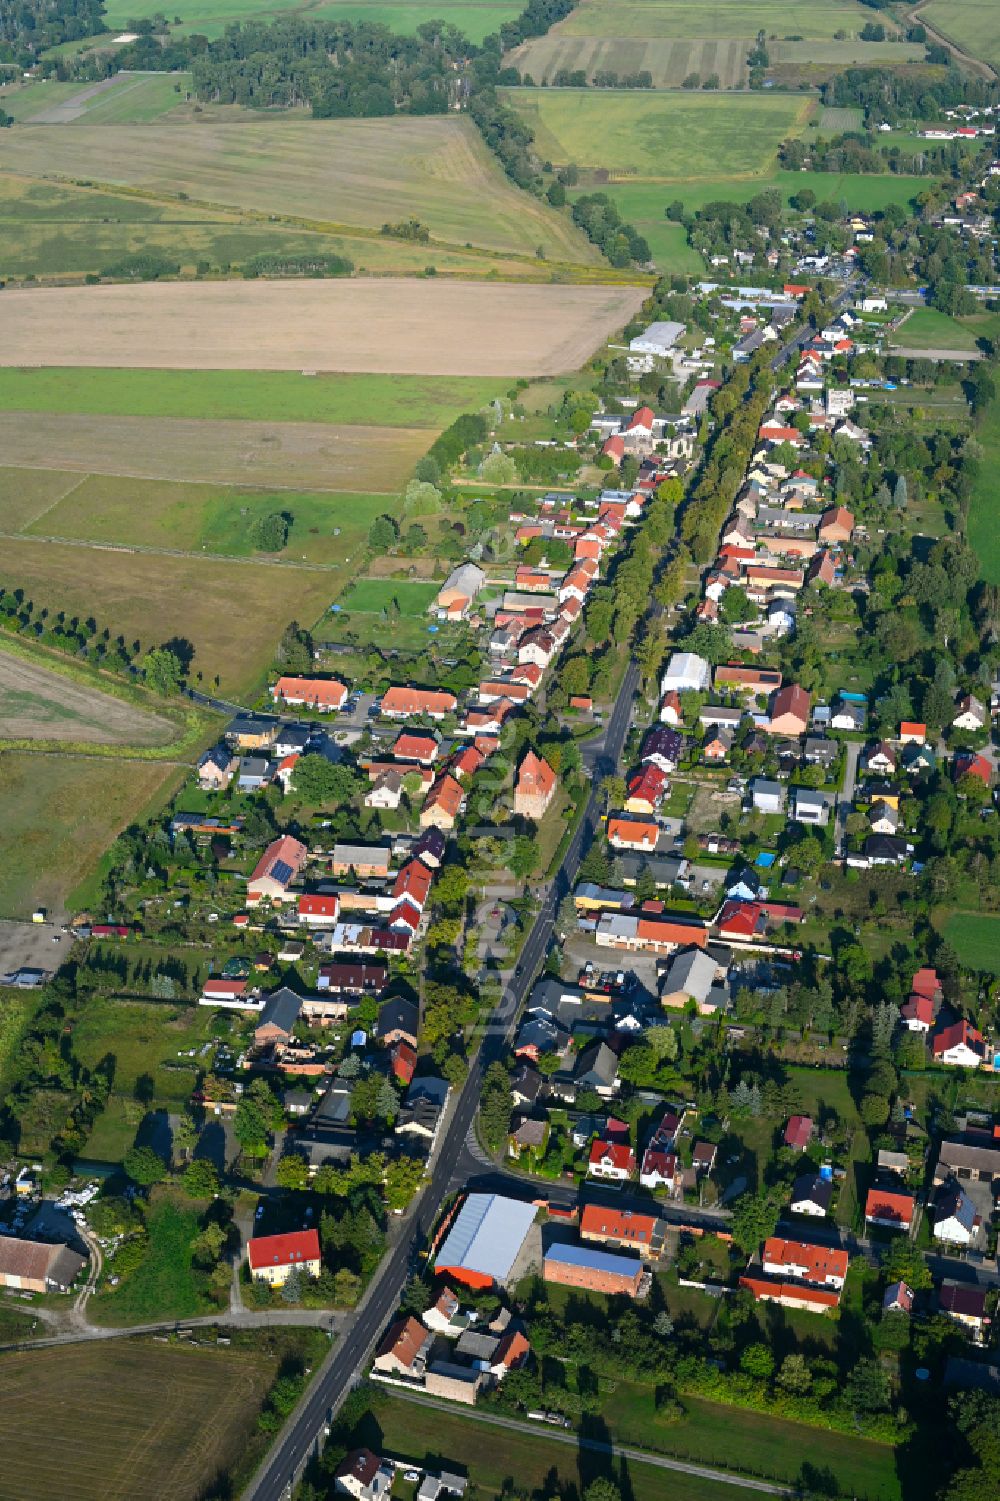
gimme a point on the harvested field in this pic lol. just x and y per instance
(60, 814)
(476, 18)
(111, 1441)
(326, 174)
(289, 455)
(669, 62)
(718, 18)
(970, 23)
(456, 328)
(232, 612)
(38, 704)
(676, 137)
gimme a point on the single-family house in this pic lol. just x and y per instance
(955, 1218)
(970, 714)
(690, 976)
(364, 1477)
(275, 871)
(442, 804)
(813, 808)
(216, 768)
(633, 834)
(611, 1160)
(323, 695)
(404, 1349)
(767, 796)
(836, 525)
(799, 1132)
(789, 711)
(959, 1045)
(898, 1298)
(965, 1303)
(890, 1208)
(811, 1194)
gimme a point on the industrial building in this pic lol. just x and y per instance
(595, 1271)
(485, 1240)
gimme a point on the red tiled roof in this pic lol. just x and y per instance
(535, 777)
(955, 1035)
(400, 700)
(884, 1204)
(315, 904)
(819, 1261)
(283, 1250)
(621, 1156)
(617, 1224)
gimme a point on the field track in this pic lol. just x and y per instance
(276, 455)
(395, 327)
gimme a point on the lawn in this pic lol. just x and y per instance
(143, 1036)
(476, 18)
(975, 937)
(926, 328)
(17, 1008)
(325, 528)
(984, 533)
(492, 1455)
(970, 23)
(324, 175)
(667, 137)
(404, 401)
(60, 814)
(374, 596)
(232, 613)
(164, 1286)
(109, 1422)
(128, 99)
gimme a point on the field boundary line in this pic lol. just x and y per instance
(60, 498)
(167, 552)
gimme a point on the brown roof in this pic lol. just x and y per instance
(34, 1260)
(792, 699)
(403, 1339)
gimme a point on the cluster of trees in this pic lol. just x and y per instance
(143, 265)
(338, 67)
(312, 264)
(269, 532)
(601, 222)
(892, 95)
(604, 78)
(67, 633)
(739, 408)
(509, 137)
(29, 27)
(858, 151)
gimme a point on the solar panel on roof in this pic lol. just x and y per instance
(281, 871)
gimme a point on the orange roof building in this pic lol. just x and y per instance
(535, 787)
(443, 804)
(323, 694)
(402, 703)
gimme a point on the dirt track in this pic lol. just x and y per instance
(391, 327)
(36, 704)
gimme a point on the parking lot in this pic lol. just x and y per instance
(27, 945)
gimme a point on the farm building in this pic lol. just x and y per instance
(30, 1266)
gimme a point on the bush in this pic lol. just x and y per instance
(313, 265)
(144, 266)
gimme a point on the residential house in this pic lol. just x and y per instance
(704, 1155)
(367, 861)
(622, 1229)
(612, 1160)
(397, 1022)
(352, 978)
(789, 711)
(364, 1477)
(890, 1208)
(881, 759)
(917, 1014)
(826, 1266)
(278, 1017)
(404, 1349)
(216, 768)
(965, 1303)
(273, 1257)
(442, 804)
(912, 732)
(691, 976)
(252, 732)
(323, 695)
(404, 703)
(966, 764)
(898, 1298)
(959, 1045)
(836, 525)
(813, 808)
(663, 748)
(717, 746)
(419, 746)
(767, 796)
(849, 716)
(597, 1068)
(633, 834)
(883, 817)
(799, 1132)
(255, 772)
(811, 1194)
(275, 871)
(955, 1218)
(971, 714)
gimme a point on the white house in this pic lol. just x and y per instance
(811, 807)
(955, 1219)
(365, 1477)
(971, 714)
(811, 1195)
(768, 797)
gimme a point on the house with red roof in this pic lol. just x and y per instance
(319, 909)
(912, 732)
(799, 1132)
(889, 1208)
(622, 1229)
(322, 694)
(611, 1160)
(959, 1045)
(836, 525)
(403, 1058)
(414, 882)
(273, 1257)
(967, 764)
(741, 921)
(614, 449)
(275, 871)
(646, 790)
(790, 711)
(824, 1265)
(404, 703)
(917, 1014)
(636, 834)
(416, 745)
(442, 804)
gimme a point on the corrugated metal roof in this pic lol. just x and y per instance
(487, 1234)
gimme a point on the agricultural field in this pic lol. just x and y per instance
(65, 230)
(60, 815)
(125, 99)
(668, 61)
(265, 396)
(716, 18)
(110, 1439)
(926, 328)
(323, 528)
(975, 937)
(39, 704)
(451, 328)
(231, 612)
(281, 454)
(322, 174)
(970, 23)
(667, 137)
(476, 18)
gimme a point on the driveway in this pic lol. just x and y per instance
(845, 798)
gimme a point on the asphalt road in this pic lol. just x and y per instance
(346, 1361)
